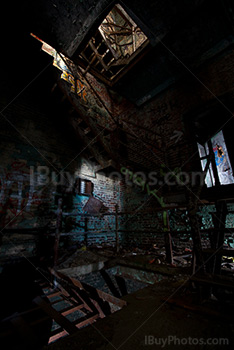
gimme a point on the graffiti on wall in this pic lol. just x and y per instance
(222, 161)
(62, 63)
(18, 197)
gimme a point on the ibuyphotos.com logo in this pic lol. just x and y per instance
(173, 340)
(42, 175)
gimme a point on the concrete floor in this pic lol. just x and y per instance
(147, 315)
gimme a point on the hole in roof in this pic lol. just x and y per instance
(117, 41)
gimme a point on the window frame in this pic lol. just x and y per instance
(135, 57)
(213, 173)
(78, 187)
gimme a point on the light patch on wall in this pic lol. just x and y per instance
(86, 168)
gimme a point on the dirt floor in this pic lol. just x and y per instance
(148, 321)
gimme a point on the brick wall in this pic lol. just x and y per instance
(35, 146)
(150, 129)
(30, 137)
(35, 141)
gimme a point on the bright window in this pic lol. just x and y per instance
(222, 161)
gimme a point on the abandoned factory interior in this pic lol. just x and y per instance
(116, 175)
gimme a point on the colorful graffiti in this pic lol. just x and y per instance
(76, 86)
(222, 159)
(139, 181)
(62, 63)
(18, 197)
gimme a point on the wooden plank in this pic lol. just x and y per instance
(53, 294)
(85, 321)
(56, 301)
(80, 295)
(102, 306)
(70, 310)
(103, 295)
(56, 331)
(111, 299)
(99, 57)
(57, 336)
(60, 319)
